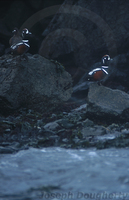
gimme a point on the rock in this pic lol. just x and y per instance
(83, 31)
(113, 127)
(107, 137)
(37, 84)
(88, 123)
(93, 131)
(27, 128)
(80, 90)
(6, 150)
(65, 123)
(80, 108)
(52, 126)
(107, 104)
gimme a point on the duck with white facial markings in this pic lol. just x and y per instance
(19, 45)
(100, 73)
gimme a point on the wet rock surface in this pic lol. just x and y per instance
(107, 103)
(36, 83)
(69, 128)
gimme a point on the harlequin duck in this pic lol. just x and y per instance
(25, 33)
(99, 74)
(34, 41)
(18, 45)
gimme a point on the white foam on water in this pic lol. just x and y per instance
(75, 156)
(92, 153)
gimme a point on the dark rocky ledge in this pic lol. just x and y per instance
(65, 127)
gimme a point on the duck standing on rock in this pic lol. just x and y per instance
(19, 45)
(99, 74)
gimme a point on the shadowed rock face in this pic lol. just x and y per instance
(91, 28)
(37, 83)
(105, 103)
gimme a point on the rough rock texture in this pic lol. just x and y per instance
(35, 83)
(106, 103)
(69, 129)
(83, 31)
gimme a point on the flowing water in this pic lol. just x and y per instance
(57, 173)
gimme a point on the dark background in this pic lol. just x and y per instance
(15, 13)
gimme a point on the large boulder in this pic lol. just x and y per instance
(107, 104)
(36, 83)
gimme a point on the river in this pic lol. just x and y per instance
(58, 173)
